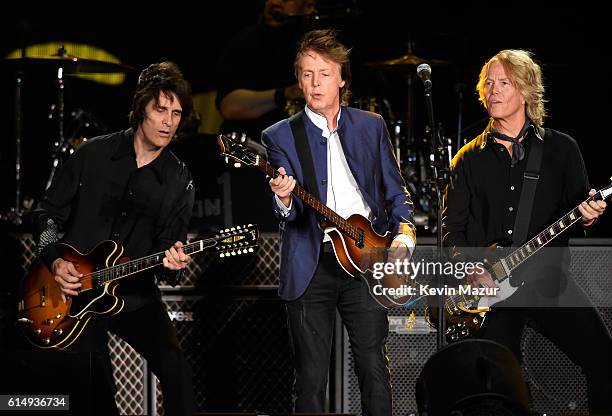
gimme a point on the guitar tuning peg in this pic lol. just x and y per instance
(221, 255)
(237, 164)
(237, 227)
(233, 253)
(251, 250)
(233, 135)
(226, 159)
(233, 229)
(243, 137)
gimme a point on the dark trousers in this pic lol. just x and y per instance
(149, 331)
(311, 321)
(576, 330)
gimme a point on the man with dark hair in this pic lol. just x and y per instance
(355, 172)
(128, 187)
(480, 208)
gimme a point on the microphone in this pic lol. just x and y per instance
(424, 72)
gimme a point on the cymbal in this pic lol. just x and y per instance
(405, 61)
(70, 64)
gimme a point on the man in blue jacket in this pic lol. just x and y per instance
(355, 172)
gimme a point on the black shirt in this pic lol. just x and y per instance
(101, 194)
(480, 208)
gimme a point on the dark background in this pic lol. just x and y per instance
(570, 43)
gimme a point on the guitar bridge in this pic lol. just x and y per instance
(43, 294)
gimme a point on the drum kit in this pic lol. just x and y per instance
(413, 152)
(73, 127)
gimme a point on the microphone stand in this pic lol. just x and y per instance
(441, 176)
(61, 144)
(459, 89)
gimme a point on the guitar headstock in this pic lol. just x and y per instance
(237, 240)
(234, 147)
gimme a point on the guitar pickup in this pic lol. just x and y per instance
(359, 242)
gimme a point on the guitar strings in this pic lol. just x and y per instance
(109, 270)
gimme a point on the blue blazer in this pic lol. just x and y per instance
(368, 151)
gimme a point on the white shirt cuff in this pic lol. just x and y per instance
(407, 240)
(283, 209)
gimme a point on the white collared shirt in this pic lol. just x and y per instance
(343, 193)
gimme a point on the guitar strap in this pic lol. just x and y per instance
(304, 154)
(530, 182)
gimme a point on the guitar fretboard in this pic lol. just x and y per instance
(517, 257)
(313, 202)
(528, 249)
(135, 266)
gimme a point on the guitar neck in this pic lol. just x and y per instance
(518, 256)
(122, 270)
(313, 202)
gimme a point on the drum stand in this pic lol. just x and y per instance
(16, 213)
(61, 144)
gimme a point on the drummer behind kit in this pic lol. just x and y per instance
(72, 130)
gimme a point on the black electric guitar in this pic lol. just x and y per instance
(48, 322)
(354, 240)
(465, 312)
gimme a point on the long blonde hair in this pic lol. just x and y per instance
(525, 75)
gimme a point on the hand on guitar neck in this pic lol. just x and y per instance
(282, 186)
(94, 276)
(592, 210)
(68, 277)
(176, 259)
